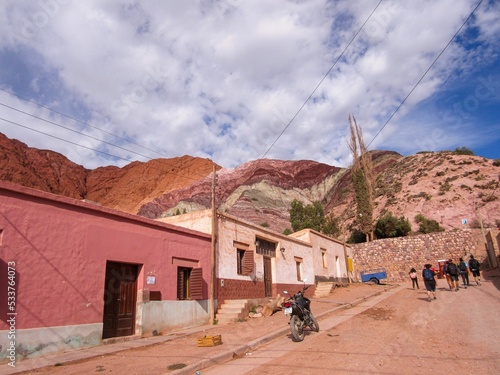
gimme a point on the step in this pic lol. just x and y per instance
(230, 310)
(323, 289)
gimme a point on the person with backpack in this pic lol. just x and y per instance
(464, 272)
(413, 277)
(452, 270)
(448, 278)
(430, 282)
(474, 268)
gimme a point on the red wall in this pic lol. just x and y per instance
(60, 247)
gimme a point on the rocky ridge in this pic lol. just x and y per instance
(442, 186)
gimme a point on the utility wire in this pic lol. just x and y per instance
(81, 133)
(321, 81)
(74, 131)
(99, 151)
(62, 139)
(81, 122)
(427, 71)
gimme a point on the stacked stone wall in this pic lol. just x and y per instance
(399, 255)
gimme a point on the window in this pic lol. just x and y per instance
(189, 283)
(244, 259)
(323, 258)
(265, 248)
(298, 266)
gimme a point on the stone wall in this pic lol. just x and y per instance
(400, 254)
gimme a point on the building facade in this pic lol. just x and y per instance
(253, 262)
(75, 273)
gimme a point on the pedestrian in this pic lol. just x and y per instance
(430, 282)
(445, 273)
(474, 268)
(464, 272)
(413, 277)
(452, 270)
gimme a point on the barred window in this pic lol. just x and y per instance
(265, 248)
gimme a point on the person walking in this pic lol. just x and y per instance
(452, 270)
(474, 268)
(445, 273)
(429, 281)
(413, 277)
(464, 272)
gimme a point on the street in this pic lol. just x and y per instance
(403, 334)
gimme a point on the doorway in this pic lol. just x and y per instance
(120, 297)
(268, 277)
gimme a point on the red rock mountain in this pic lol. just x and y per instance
(442, 186)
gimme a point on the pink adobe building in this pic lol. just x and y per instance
(74, 273)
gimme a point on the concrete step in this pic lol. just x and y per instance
(232, 311)
(323, 289)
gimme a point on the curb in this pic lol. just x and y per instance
(252, 345)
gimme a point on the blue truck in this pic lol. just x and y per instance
(374, 275)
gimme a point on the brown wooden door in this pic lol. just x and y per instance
(120, 294)
(268, 277)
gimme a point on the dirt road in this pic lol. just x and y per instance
(401, 334)
(404, 334)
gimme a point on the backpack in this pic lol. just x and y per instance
(474, 264)
(428, 274)
(462, 266)
(452, 269)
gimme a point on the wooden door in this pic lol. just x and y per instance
(268, 277)
(120, 295)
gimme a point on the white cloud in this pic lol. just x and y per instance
(222, 79)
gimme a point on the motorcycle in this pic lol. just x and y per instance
(298, 307)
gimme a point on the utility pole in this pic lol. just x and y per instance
(212, 249)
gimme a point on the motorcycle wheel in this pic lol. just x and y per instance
(313, 323)
(297, 328)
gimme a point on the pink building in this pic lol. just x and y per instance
(74, 273)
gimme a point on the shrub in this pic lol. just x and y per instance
(496, 162)
(357, 237)
(463, 151)
(389, 226)
(427, 225)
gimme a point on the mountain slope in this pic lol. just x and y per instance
(442, 186)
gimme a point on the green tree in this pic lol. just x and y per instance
(427, 225)
(311, 216)
(362, 178)
(332, 226)
(389, 226)
(357, 237)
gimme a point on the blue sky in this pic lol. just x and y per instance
(108, 83)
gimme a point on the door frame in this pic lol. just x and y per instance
(268, 276)
(120, 299)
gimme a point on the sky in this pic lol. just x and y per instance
(111, 82)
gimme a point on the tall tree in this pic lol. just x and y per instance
(362, 178)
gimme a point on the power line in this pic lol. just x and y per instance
(62, 139)
(95, 150)
(74, 131)
(81, 122)
(322, 79)
(81, 133)
(425, 73)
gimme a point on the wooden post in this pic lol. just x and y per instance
(212, 250)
